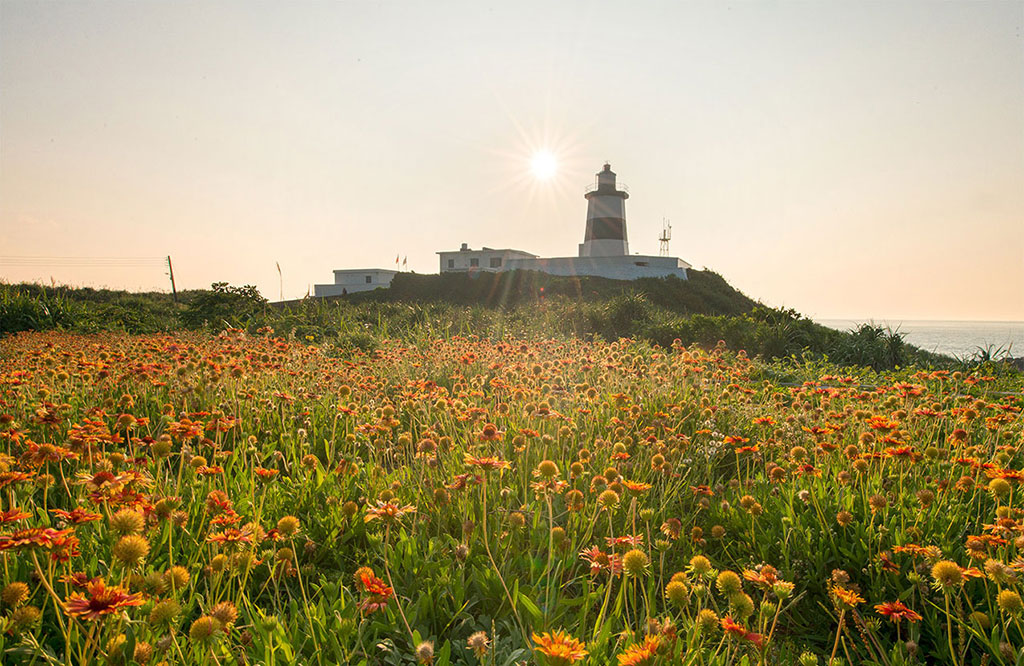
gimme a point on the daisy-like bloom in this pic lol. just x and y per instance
(100, 600)
(600, 561)
(641, 654)
(672, 528)
(40, 537)
(266, 474)
(845, 598)
(12, 515)
(738, 631)
(79, 579)
(764, 578)
(7, 478)
(490, 433)
(388, 512)
(559, 648)
(461, 481)
(76, 516)
(548, 486)
(630, 540)
(896, 611)
(636, 487)
(487, 463)
(231, 538)
(64, 547)
(102, 480)
(377, 592)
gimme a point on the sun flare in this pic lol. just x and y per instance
(543, 165)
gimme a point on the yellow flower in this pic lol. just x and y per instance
(559, 648)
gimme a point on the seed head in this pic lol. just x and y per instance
(478, 643)
(676, 593)
(131, 549)
(947, 574)
(288, 526)
(635, 562)
(204, 629)
(14, 594)
(728, 583)
(1010, 602)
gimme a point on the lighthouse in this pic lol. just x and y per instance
(606, 217)
(604, 252)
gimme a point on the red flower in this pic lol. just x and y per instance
(99, 601)
(40, 537)
(76, 516)
(377, 592)
(896, 611)
(12, 515)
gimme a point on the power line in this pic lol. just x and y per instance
(82, 262)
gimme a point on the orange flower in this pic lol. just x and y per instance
(846, 598)
(101, 600)
(377, 592)
(490, 433)
(40, 537)
(636, 487)
(388, 512)
(641, 654)
(559, 648)
(487, 463)
(896, 611)
(13, 515)
(736, 630)
(231, 537)
(601, 561)
(76, 516)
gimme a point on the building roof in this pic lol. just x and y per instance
(487, 249)
(365, 270)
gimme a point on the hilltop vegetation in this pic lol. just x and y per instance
(704, 309)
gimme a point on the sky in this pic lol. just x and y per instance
(848, 160)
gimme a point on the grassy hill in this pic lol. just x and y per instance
(705, 292)
(704, 309)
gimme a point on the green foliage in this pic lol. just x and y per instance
(422, 308)
(23, 310)
(224, 306)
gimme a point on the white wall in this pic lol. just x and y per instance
(615, 268)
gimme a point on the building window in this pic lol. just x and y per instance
(369, 279)
(473, 263)
(451, 263)
(641, 263)
(495, 262)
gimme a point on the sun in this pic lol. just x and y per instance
(543, 165)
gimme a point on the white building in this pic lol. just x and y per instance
(465, 260)
(604, 251)
(350, 280)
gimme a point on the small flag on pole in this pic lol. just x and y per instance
(405, 262)
(396, 260)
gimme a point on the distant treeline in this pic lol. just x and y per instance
(704, 309)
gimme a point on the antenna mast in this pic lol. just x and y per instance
(665, 237)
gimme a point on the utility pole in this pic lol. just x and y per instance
(170, 269)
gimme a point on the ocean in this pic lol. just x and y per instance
(961, 339)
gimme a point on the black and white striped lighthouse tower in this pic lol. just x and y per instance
(606, 218)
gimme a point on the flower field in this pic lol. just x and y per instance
(243, 499)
